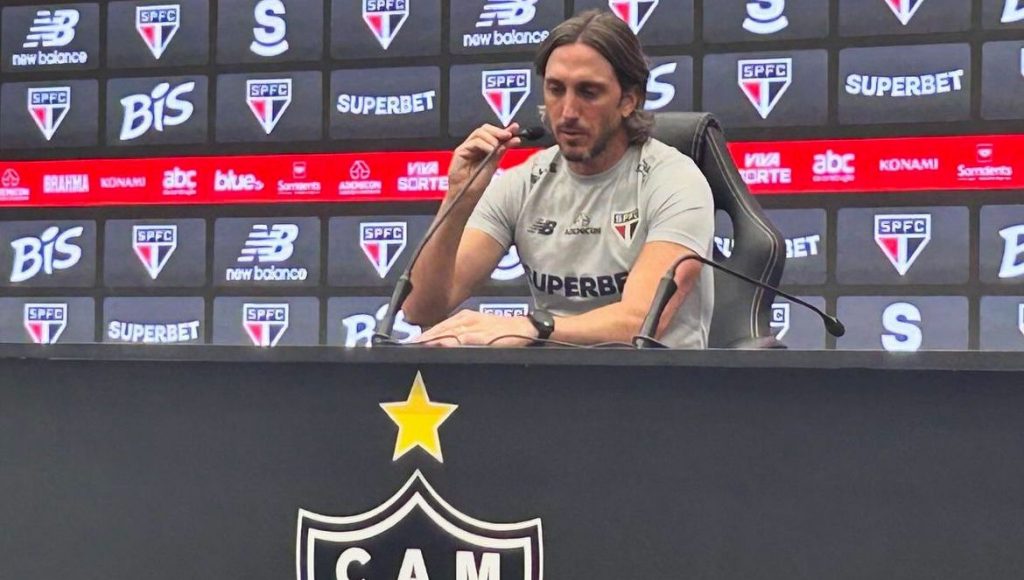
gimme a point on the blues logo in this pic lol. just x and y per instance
(633, 12)
(48, 107)
(382, 242)
(506, 91)
(268, 100)
(903, 237)
(764, 81)
(157, 25)
(904, 9)
(625, 224)
(154, 246)
(385, 18)
(780, 319)
(46, 322)
(265, 323)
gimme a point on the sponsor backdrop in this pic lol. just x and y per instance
(159, 157)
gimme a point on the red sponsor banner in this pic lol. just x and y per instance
(777, 167)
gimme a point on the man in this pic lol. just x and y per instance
(591, 282)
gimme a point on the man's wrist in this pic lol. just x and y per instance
(543, 323)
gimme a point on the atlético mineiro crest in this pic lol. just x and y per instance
(265, 323)
(506, 91)
(48, 106)
(780, 319)
(633, 12)
(268, 100)
(416, 534)
(764, 81)
(385, 18)
(45, 322)
(157, 26)
(625, 224)
(154, 246)
(382, 242)
(903, 237)
(904, 9)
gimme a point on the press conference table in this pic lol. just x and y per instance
(194, 462)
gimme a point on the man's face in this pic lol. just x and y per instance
(584, 102)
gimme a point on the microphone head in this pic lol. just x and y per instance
(834, 326)
(531, 133)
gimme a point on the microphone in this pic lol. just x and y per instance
(403, 287)
(667, 288)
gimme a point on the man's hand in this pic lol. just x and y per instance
(467, 158)
(468, 327)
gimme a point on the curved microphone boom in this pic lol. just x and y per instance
(404, 285)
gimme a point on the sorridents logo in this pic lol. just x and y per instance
(154, 246)
(10, 186)
(382, 243)
(269, 34)
(505, 13)
(385, 18)
(797, 247)
(506, 309)
(423, 176)
(387, 532)
(178, 181)
(764, 168)
(48, 106)
(780, 319)
(985, 170)
(51, 251)
(268, 244)
(625, 224)
(902, 238)
(834, 167)
(299, 183)
(635, 13)
(66, 183)
(421, 102)
(506, 91)
(45, 322)
(898, 319)
(153, 333)
(51, 29)
(766, 17)
(509, 267)
(230, 181)
(904, 9)
(660, 93)
(905, 86)
(764, 81)
(908, 164)
(1013, 11)
(163, 107)
(268, 100)
(359, 181)
(123, 182)
(157, 26)
(580, 226)
(359, 328)
(265, 323)
(1012, 264)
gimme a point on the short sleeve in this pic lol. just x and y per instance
(497, 211)
(680, 208)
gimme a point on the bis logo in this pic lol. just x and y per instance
(506, 91)
(48, 106)
(764, 81)
(163, 107)
(52, 251)
(157, 26)
(45, 322)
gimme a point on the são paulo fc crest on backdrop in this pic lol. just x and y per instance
(904, 9)
(625, 224)
(764, 81)
(45, 322)
(48, 106)
(385, 18)
(268, 100)
(157, 26)
(382, 242)
(903, 237)
(633, 12)
(506, 91)
(154, 246)
(265, 323)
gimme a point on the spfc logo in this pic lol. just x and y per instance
(904, 9)
(780, 319)
(154, 246)
(625, 224)
(506, 91)
(633, 12)
(416, 534)
(46, 322)
(903, 237)
(48, 107)
(764, 81)
(265, 323)
(268, 100)
(382, 242)
(385, 18)
(157, 25)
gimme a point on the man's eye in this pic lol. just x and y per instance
(555, 90)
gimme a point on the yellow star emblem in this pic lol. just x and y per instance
(418, 420)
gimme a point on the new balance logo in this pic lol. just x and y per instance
(507, 13)
(543, 227)
(269, 244)
(52, 29)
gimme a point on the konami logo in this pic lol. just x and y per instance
(908, 164)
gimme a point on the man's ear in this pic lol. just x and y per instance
(629, 102)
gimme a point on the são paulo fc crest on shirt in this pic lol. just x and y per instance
(633, 12)
(385, 18)
(382, 242)
(904, 9)
(506, 91)
(625, 224)
(903, 237)
(45, 322)
(48, 106)
(265, 323)
(268, 100)
(154, 246)
(764, 81)
(157, 25)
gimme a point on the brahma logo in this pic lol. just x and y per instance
(766, 17)
(834, 167)
(163, 107)
(1012, 264)
(359, 181)
(625, 224)
(51, 29)
(780, 319)
(382, 243)
(765, 168)
(506, 91)
(50, 252)
(268, 100)
(269, 34)
(764, 81)
(45, 322)
(265, 323)
(154, 245)
(509, 267)
(635, 13)
(48, 106)
(157, 26)
(985, 170)
(68, 183)
(904, 9)
(10, 187)
(385, 18)
(178, 181)
(902, 238)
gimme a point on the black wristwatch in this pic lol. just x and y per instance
(543, 322)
